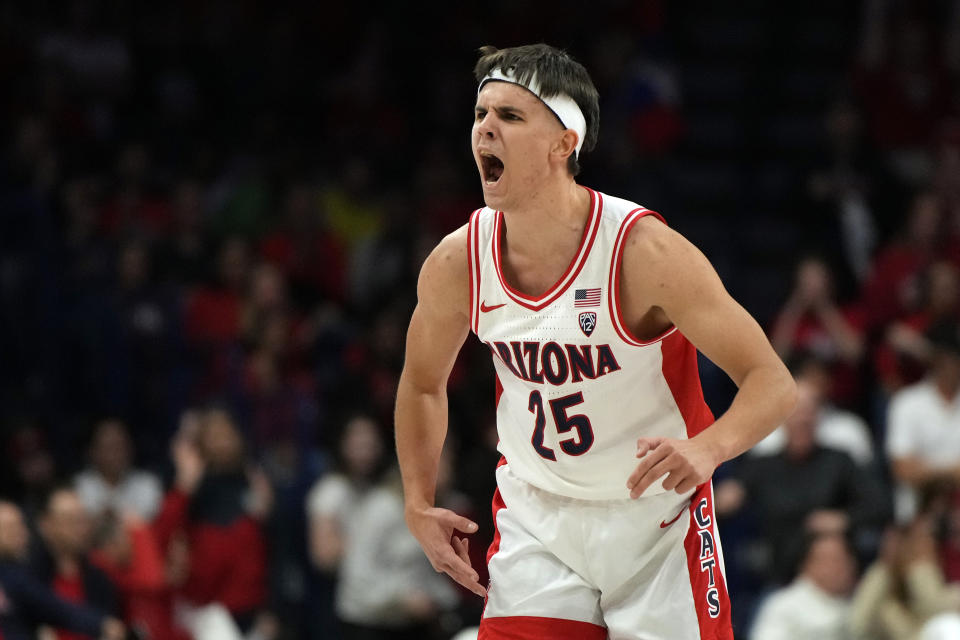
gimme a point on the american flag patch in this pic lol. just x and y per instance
(586, 297)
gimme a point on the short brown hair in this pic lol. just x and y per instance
(556, 73)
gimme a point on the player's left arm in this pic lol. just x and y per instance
(663, 269)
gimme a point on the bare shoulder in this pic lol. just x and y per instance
(444, 284)
(661, 268)
(664, 271)
(652, 243)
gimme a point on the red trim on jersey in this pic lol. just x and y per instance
(536, 303)
(613, 293)
(715, 624)
(682, 374)
(473, 257)
(470, 267)
(537, 628)
(498, 391)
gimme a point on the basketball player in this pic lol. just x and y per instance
(593, 309)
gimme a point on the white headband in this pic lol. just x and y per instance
(562, 105)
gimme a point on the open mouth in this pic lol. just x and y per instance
(492, 167)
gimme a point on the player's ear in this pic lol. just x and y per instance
(565, 144)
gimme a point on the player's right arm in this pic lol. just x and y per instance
(438, 328)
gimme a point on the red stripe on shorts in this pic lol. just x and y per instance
(497, 505)
(536, 628)
(495, 545)
(707, 581)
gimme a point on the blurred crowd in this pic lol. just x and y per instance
(212, 216)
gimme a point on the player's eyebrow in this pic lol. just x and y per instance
(502, 109)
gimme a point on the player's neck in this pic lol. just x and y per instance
(547, 221)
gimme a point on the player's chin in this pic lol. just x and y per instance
(493, 193)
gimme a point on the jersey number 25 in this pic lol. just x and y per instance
(565, 423)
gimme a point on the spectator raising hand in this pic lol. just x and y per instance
(212, 516)
(812, 320)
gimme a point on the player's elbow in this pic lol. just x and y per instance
(790, 396)
(414, 383)
(788, 393)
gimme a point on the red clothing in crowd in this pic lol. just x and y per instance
(147, 598)
(317, 262)
(212, 316)
(896, 369)
(950, 547)
(897, 113)
(70, 589)
(134, 212)
(892, 283)
(812, 337)
(228, 562)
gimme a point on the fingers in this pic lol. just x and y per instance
(661, 458)
(687, 484)
(644, 445)
(459, 523)
(681, 474)
(460, 570)
(656, 472)
(640, 479)
(462, 547)
(447, 553)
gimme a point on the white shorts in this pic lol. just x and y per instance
(569, 569)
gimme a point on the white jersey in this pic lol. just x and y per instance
(575, 389)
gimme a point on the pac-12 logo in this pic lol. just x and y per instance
(588, 322)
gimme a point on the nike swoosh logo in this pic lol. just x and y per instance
(664, 525)
(484, 308)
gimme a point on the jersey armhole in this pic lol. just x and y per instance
(613, 293)
(473, 260)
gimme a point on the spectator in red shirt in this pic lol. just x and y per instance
(901, 80)
(812, 321)
(128, 551)
(26, 602)
(311, 258)
(268, 319)
(135, 207)
(61, 558)
(892, 288)
(213, 312)
(218, 504)
(903, 356)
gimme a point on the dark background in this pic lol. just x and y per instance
(157, 156)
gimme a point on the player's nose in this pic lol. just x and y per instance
(486, 128)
